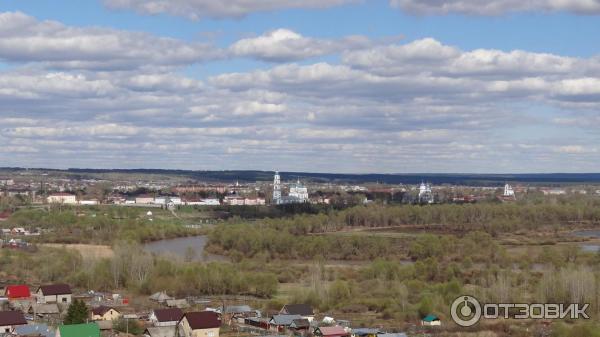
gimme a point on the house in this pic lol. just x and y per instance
(331, 331)
(78, 330)
(365, 332)
(200, 324)
(431, 320)
(105, 313)
(233, 200)
(62, 198)
(258, 322)
(282, 322)
(160, 296)
(181, 303)
(304, 310)
(238, 313)
(161, 331)
(203, 202)
(54, 293)
(300, 325)
(166, 317)
(144, 199)
(17, 292)
(254, 201)
(34, 330)
(9, 320)
(44, 310)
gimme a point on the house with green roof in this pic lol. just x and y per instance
(431, 320)
(78, 330)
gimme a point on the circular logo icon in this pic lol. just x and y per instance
(466, 311)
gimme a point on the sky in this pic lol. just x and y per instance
(348, 86)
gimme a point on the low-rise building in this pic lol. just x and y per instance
(11, 319)
(44, 310)
(200, 324)
(34, 330)
(431, 320)
(166, 317)
(78, 330)
(202, 202)
(62, 198)
(105, 313)
(90, 202)
(54, 293)
(17, 292)
(331, 331)
(235, 200)
(303, 310)
(144, 199)
(282, 322)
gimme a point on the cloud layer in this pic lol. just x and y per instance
(198, 9)
(26, 39)
(497, 7)
(97, 97)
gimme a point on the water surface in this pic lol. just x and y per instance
(180, 246)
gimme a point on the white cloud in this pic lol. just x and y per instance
(496, 7)
(284, 45)
(26, 39)
(395, 107)
(570, 149)
(197, 9)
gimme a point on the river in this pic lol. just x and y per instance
(179, 247)
(589, 247)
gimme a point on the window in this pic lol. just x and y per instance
(64, 300)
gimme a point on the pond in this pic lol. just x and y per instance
(180, 247)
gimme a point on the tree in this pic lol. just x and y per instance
(128, 326)
(190, 254)
(77, 313)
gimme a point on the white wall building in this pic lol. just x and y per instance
(62, 198)
(299, 191)
(425, 193)
(508, 191)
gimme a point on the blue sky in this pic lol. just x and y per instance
(330, 85)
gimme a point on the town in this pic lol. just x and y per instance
(133, 239)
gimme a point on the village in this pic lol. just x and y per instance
(41, 313)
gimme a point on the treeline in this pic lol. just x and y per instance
(247, 241)
(99, 225)
(489, 217)
(137, 271)
(260, 212)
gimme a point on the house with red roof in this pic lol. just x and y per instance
(331, 331)
(17, 292)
